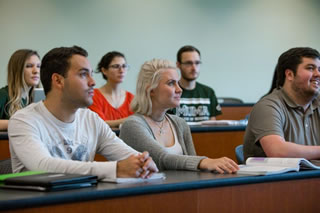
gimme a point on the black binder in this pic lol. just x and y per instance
(50, 182)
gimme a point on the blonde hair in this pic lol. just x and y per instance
(148, 79)
(17, 86)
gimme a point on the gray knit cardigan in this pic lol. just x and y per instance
(137, 133)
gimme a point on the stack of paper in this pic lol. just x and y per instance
(219, 123)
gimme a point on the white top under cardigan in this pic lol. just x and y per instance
(176, 147)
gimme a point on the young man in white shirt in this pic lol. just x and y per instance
(61, 135)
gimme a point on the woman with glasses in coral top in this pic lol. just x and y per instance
(111, 102)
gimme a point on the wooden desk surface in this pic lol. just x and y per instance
(182, 191)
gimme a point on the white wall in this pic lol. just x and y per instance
(240, 41)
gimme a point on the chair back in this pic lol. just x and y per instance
(229, 100)
(239, 154)
(5, 166)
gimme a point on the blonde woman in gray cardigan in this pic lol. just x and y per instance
(166, 137)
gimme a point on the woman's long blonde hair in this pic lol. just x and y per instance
(148, 79)
(17, 86)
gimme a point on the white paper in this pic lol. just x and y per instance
(221, 122)
(155, 176)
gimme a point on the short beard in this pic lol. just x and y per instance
(307, 95)
(188, 79)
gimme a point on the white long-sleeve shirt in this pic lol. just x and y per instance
(39, 141)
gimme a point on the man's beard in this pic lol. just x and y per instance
(304, 93)
(185, 77)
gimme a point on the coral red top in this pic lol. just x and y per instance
(106, 111)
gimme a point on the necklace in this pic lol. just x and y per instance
(159, 124)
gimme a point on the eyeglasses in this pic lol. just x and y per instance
(119, 66)
(190, 63)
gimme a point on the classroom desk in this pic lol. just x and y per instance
(217, 141)
(4, 145)
(235, 111)
(210, 141)
(182, 191)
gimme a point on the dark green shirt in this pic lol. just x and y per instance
(4, 99)
(198, 104)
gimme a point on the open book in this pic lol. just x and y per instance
(155, 176)
(269, 166)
